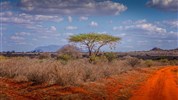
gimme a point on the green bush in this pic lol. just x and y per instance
(110, 56)
(149, 63)
(64, 58)
(164, 60)
(94, 59)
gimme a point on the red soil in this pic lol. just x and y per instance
(161, 86)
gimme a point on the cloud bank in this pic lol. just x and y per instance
(168, 5)
(72, 7)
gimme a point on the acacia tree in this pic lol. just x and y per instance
(94, 41)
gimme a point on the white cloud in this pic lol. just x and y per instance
(22, 34)
(141, 25)
(169, 5)
(76, 7)
(71, 28)
(172, 23)
(83, 18)
(5, 5)
(7, 13)
(117, 28)
(15, 20)
(93, 24)
(41, 17)
(17, 38)
(41, 30)
(10, 17)
(151, 28)
(53, 28)
(69, 19)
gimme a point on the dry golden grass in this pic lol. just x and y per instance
(53, 72)
(77, 79)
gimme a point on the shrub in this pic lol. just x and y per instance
(173, 62)
(94, 59)
(36, 77)
(44, 55)
(133, 61)
(110, 56)
(64, 58)
(164, 60)
(71, 50)
(21, 78)
(53, 72)
(2, 58)
(149, 63)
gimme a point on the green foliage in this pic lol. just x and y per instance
(149, 63)
(65, 57)
(93, 36)
(94, 59)
(106, 57)
(110, 56)
(94, 41)
(164, 60)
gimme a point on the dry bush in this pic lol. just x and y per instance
(132, 61)
(45, 55)
(71, 50)
(2, 58)
(173, 62)
(52, 71)
(149, 63)
(21, 78)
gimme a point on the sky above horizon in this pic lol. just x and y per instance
(142, 24)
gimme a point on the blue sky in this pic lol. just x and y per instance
(142, 24)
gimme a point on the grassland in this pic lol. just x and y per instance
(75, 78)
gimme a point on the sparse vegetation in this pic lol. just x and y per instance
(79, 72)
(48, 70)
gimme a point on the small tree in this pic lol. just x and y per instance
(94, 42)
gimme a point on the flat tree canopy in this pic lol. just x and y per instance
(94, 41)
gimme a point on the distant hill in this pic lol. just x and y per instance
(175, 49)
(49, 48)
(156, 49)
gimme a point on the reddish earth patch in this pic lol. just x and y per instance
(161, 86)
(112, 88)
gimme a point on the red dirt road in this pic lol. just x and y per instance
(163, 85)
